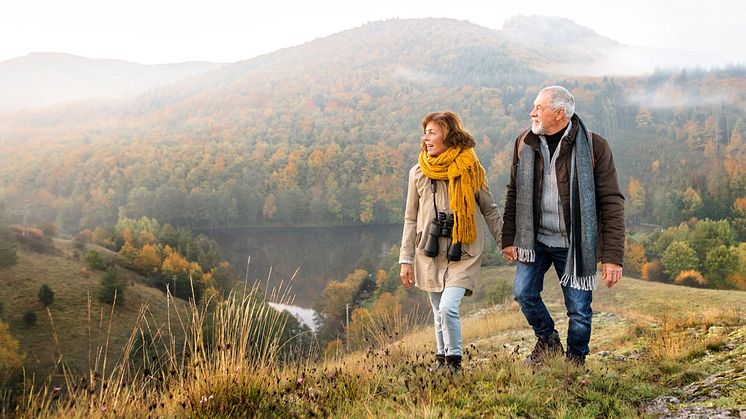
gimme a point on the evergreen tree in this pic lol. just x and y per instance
(29, 317)
(45, 295)
(169, 236)
(95, 260)
(111, 288)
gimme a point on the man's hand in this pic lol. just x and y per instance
(406, 275)
(612, 274)
(509, 253)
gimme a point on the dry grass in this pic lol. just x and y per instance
(229, 366)
(181, 367)
(77, 317)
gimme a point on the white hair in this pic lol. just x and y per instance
(561, 98)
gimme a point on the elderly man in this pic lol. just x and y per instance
(563, 207)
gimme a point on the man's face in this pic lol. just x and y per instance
(544, 120)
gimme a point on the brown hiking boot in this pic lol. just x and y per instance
(544, 348)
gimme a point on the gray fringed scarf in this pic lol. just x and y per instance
(580, 269)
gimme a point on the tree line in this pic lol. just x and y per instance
(341, 167)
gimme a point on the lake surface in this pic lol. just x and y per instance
(319, 254)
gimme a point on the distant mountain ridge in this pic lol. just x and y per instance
(46, 78)
(545, 43)
(532, 29)
(566, 47)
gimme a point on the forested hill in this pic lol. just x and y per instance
(324, 133)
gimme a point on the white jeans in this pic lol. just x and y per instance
(446, 318)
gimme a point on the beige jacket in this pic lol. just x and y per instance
(433, 274)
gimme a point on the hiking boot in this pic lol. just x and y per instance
(544, 348)
(440, 361)
(574, 359)
(454, 363)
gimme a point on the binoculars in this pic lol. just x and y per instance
(442, 226)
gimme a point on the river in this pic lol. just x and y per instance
(319, 254)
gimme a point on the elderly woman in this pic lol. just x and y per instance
(442, 242)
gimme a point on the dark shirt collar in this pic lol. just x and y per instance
(557, 135)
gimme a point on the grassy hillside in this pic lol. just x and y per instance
(76, 324)
(655, 348)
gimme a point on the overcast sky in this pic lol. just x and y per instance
(165, 31)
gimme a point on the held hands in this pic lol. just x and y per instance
(612, 271)
(612, 274)
(509, 253)
(406, 275)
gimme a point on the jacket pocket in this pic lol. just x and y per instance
(417, 239)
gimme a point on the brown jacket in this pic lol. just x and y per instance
(609, 199)
(433, 274)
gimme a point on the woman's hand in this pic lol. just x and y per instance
(406, 275)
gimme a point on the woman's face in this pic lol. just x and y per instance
(434, 139)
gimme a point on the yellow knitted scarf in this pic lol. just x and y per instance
(465, 175)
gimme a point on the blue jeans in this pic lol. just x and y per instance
(446, 318)
(529, 282)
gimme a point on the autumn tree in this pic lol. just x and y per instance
(721, 262)
(691, 202)
(224, 275)
(652, 271)
(658, 242)
(690, 278)
(635, 200)
(181, 275)
(129, 253)
(709, 234)
(104, 237)
(335, 300)
(678, 257)
(634, 258)
(147, 259)
(11, 359)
